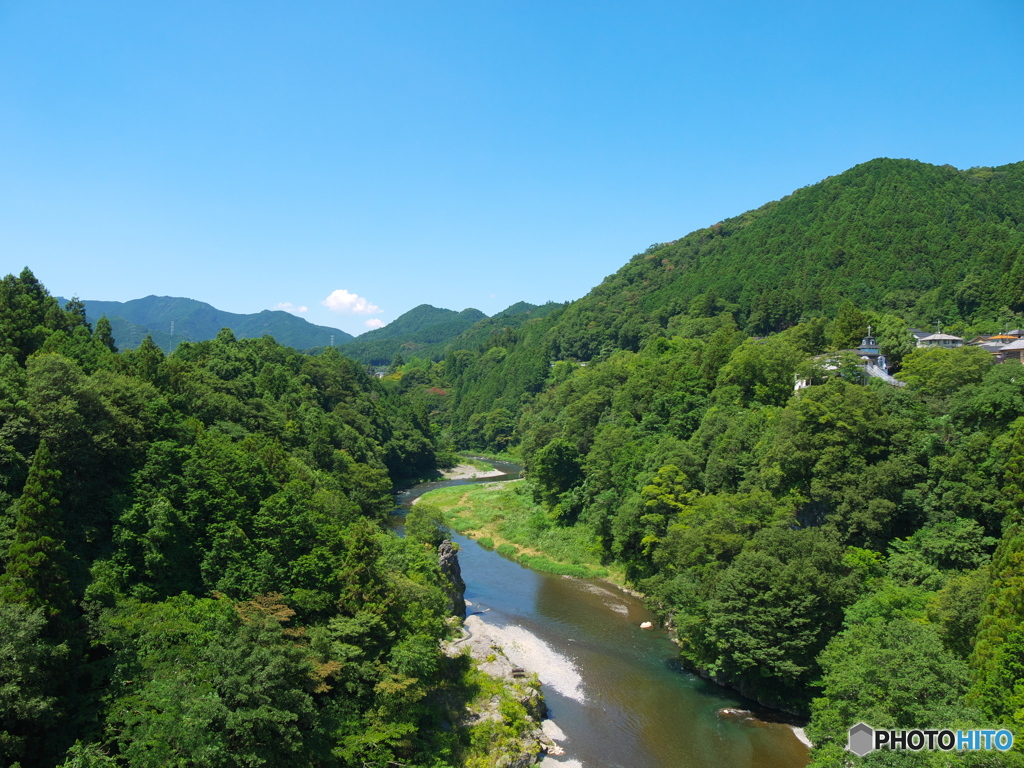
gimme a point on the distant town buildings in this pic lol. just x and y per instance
(873, 363)
(1004, 347)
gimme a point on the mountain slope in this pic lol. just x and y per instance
(421, 318)
(930, 242)
(419, 328)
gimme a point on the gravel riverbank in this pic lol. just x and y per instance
(469, 472)
(511, 653)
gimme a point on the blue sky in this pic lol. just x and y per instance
(379, 155)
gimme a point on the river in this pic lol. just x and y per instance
(617, 692)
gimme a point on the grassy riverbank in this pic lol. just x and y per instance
(503, 516)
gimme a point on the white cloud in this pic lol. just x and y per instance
(375, 323)
(349, 304)
(287, 306)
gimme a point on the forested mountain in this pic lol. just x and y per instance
(423, 318)
(905, 242)
(418, 328)
(481, 333)
(423, 331)
(152, 316)
(430, 333)
(850, 552)
(195, 567)
(930, 243)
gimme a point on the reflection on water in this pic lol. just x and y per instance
(638, 709)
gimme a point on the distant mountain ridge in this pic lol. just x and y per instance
(193, 320)
(424, 331)
(428, 321)
(429, 332)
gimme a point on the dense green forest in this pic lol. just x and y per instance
(195, 566)
(849, 552)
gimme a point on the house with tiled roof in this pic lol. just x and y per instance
(1012, 351)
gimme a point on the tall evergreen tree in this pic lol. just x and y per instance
(105, 333)
(147, 357)
(36, 573)
(850, 326)
(75, 311)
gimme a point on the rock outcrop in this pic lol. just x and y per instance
(531, 745)
(455, 587)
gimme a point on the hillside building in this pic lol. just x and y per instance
(943, 340)
(1013, 351)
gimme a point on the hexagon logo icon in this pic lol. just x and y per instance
(861, 739)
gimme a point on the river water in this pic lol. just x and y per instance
(619, 694)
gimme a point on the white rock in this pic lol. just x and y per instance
(647, 625)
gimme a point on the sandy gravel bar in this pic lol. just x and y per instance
(468, 472)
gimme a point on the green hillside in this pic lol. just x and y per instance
(895, 241)
(422, 318)
(416, 333)
(195, 320)
(930, 243)
(494, 330)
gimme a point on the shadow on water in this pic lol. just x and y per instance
(636, 706)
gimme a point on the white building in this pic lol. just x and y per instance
(943, 340)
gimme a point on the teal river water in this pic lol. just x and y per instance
(635, 707)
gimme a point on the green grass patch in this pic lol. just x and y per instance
(486, 542)
(508, 550)
(544, 565)
(460, 524)
(506, 515)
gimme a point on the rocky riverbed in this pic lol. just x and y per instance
(522, 664)
(469, 472)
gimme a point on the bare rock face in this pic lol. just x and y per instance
(448, 559)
